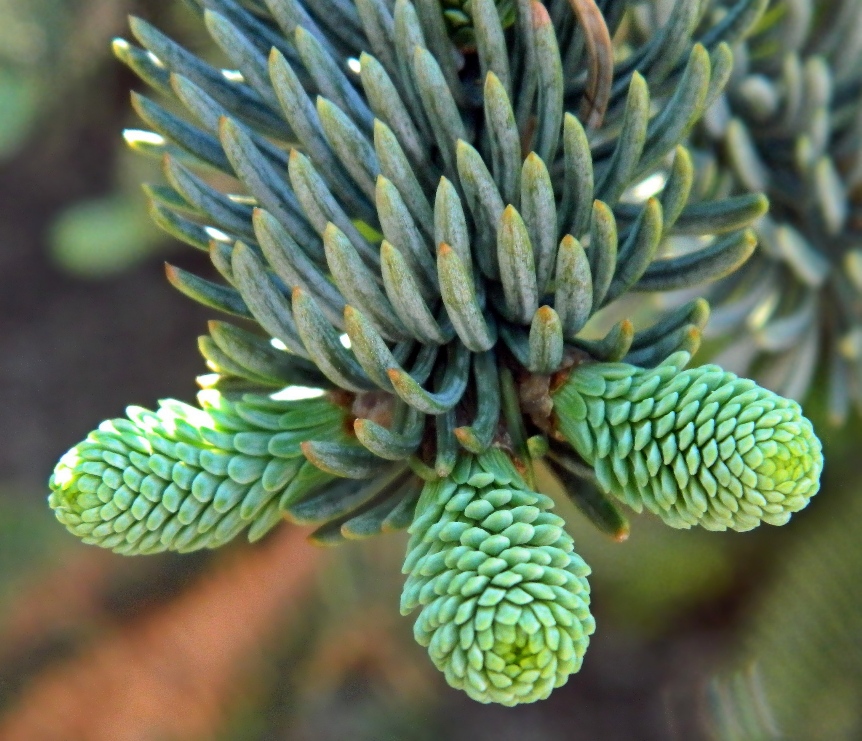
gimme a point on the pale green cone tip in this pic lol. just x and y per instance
(184, 478)
(504, 597)
(696, 447)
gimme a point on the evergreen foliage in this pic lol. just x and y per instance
(788, 125)
(423, 207)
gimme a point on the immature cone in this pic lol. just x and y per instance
(184, 478)
(696, 447)
(505, 600)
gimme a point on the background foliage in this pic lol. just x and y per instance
(703, 635)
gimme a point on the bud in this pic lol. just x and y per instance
(505, 599)
(696, 447)
(184, 478)
(459, 20)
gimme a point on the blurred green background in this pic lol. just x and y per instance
(727, 637)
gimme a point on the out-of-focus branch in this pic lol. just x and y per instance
(65, 597)
(174, 673)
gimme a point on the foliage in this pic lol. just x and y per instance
(788, 125)
(425, 229)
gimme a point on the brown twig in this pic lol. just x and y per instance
(601, 60)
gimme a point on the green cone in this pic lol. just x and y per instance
(696, 447)
(183, 478)
(505, 600)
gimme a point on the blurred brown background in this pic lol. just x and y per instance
(700, 636)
